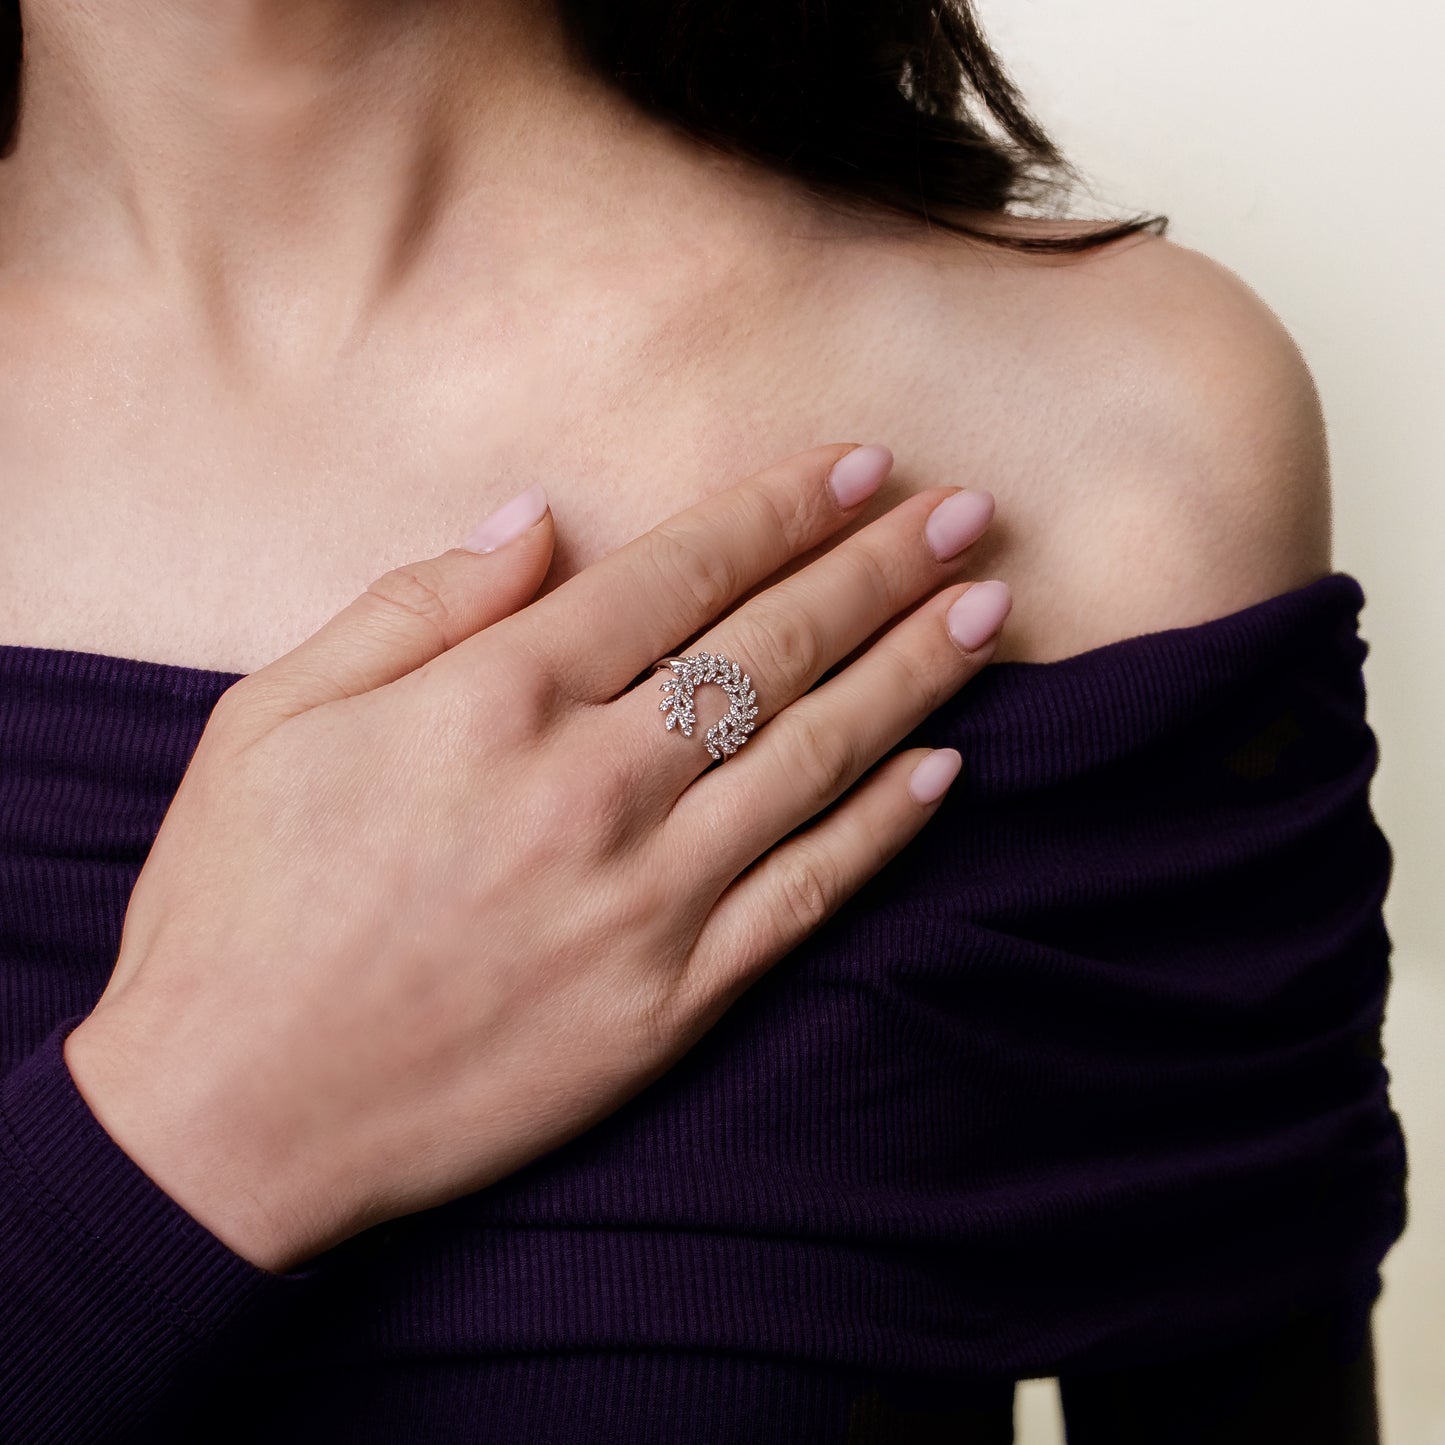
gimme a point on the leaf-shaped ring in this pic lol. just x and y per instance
(687, 674)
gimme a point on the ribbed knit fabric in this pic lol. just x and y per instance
(1089, 1076)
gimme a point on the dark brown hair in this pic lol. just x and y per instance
(898, 104)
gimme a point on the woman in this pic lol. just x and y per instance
(444, 1087)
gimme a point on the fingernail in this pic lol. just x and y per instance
(978, 614)
(930, 780)
(858, 474)
(957, 522)
(509, 521)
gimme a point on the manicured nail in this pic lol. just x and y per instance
(509, 521)
(978, 614)
(858, 474)
(958, 522)
(931, 778)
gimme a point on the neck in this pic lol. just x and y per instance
(296, 162)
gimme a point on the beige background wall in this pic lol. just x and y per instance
(1300, 142)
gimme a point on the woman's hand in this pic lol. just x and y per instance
(430, 900)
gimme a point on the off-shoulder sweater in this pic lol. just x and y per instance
(1090, 1074)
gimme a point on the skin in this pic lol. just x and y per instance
(338, 1000)
(295, 293)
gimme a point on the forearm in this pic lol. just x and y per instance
(113, 1300)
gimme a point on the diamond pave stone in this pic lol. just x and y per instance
(687, 674)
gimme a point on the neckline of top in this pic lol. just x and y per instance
(1337, 587)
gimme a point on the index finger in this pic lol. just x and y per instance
(605, 625)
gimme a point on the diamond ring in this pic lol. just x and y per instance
(687, 674)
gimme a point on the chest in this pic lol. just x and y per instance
(156, 506)
(148, 514)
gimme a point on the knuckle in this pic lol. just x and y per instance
(792, 514)
(648, 896)
(688, 573)
(511, 700)
(579, 810)
(808, 888)
(880, 574)
(524, 710)
(610, 813)
(561, 805)
(778, 642)
(922, 683)
(820, 758)
(409, 590)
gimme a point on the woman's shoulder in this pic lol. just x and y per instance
(1151, 429)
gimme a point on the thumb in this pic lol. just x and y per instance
(414, 612)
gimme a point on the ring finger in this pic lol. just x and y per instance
(785, 638)
(821, 745)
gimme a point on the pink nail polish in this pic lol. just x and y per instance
(509, 521)
(957, 522)
(930, 780)
(978, 614)
(856, 475)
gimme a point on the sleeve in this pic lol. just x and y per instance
(1162, 885)
(113, 1300)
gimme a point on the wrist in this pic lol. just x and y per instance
(167, 1116)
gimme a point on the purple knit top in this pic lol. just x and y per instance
(1089, 1075)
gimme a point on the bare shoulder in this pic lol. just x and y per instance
(1165, 460)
